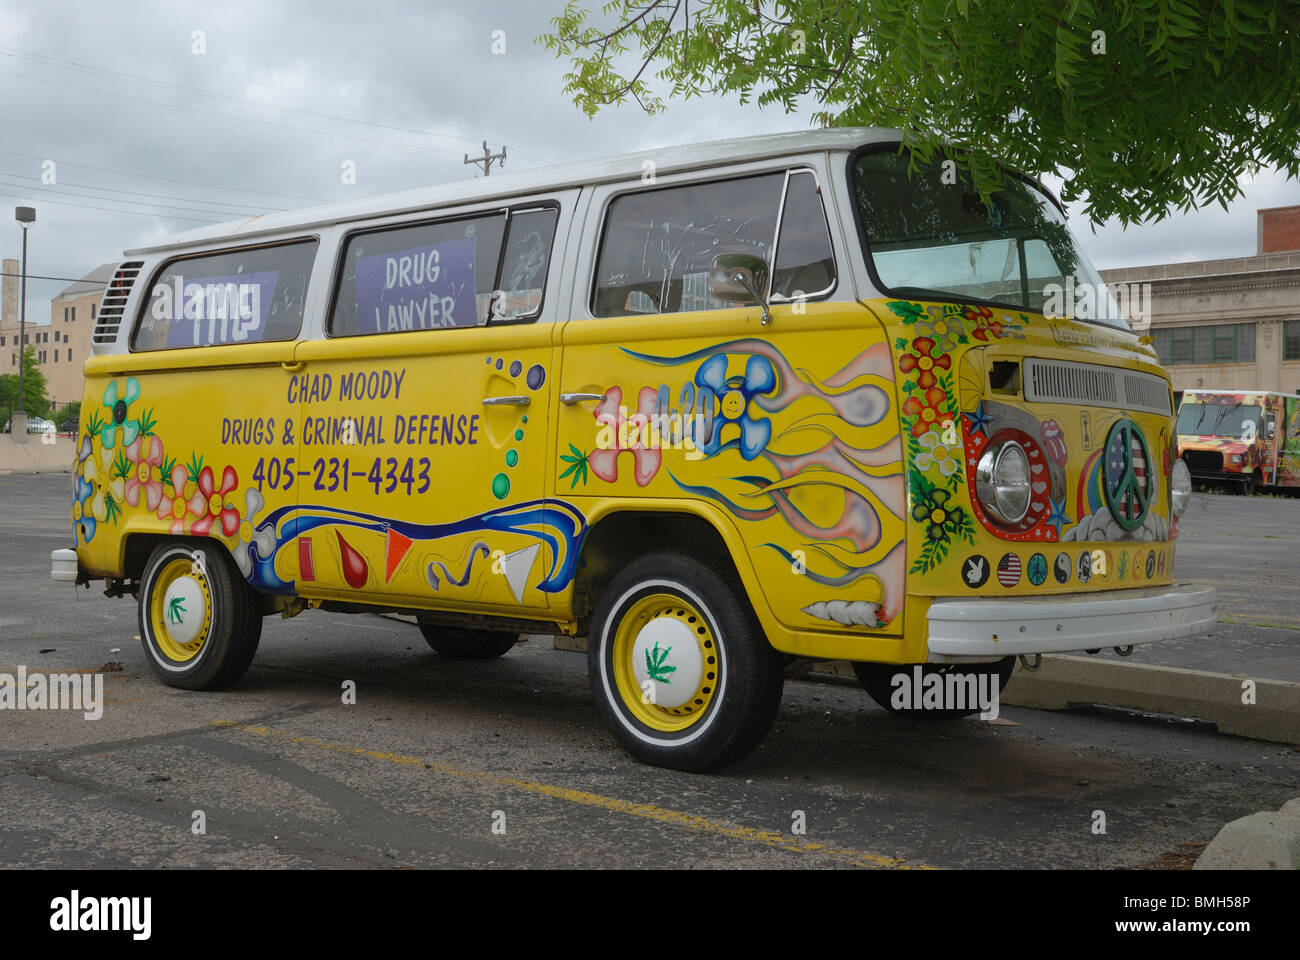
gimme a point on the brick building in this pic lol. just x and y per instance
(63, 344)
(1234, 323)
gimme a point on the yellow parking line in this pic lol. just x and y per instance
(647, 811)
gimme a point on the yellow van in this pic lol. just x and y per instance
(714, 408)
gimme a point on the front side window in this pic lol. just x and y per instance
(930, 238)
(255, 294)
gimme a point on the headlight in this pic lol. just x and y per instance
(1236, 458)
(1002, 481)
(1180, 488)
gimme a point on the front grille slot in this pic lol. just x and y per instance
(1092, 385)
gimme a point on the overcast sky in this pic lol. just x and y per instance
(163, 138)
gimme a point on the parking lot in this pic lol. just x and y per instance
(443, 763)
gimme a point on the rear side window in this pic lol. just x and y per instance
(453, 273)
(658, 245)
(251, 295)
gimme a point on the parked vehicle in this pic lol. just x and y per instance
(778, 400)
(1244, 439)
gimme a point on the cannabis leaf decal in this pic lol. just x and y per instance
(175, 609)
(577, 466)
(656, 663)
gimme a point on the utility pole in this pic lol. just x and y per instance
(487, 158)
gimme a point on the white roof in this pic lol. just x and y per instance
(560, 176)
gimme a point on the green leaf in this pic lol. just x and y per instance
(656, 664)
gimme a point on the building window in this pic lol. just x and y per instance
(1291, 340)
(92, 311)
(74, 314)
(1210, 344)
(65, 314)
(69, 353)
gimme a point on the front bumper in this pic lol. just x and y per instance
(962, 629)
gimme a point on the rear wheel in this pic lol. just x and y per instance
(680, 669)
(897, 696)
(200, 622)
(457, 643)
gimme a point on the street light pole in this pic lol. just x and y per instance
(25, 216)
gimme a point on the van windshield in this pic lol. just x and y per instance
(1216, 419)
(928, 237)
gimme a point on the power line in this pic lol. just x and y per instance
(37, 276)
(86, 206)
(150, 176)
(226, 116)
(137, 193)
(164, 84)
(138, 203)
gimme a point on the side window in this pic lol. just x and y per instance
(658, 244)
(805, 265)
(418, 277)
(524, 263)
(464, 272)
(238, 296)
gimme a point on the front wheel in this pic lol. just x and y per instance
(1248, 484)
(200, 623)
(680, 669)
(895, 686)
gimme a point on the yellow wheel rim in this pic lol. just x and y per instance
(180, 609)
(666, 662)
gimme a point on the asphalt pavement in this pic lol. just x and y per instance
(506, 763)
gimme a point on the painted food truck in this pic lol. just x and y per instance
(1244, 439)
(780, 400)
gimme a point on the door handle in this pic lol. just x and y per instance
(572, 398)
(505, 401)
(292, 366)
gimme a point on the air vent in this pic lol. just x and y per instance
(1090, 385)
(114, 303)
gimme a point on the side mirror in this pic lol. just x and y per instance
(739, 278)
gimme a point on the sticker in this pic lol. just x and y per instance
(1151, 564)
(1036, 569)
(975, 571)
(1062, 568)
(1137, 565)
(1085, 566)
(1009, 570)
(1162, 563)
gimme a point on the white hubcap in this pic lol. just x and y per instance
(183, 609)
(667, 653)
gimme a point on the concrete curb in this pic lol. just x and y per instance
(35, 456)
(1261, 841)
(1065, 681)
(1062, 682)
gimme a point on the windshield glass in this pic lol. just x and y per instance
(930, 237)
(1217, 420)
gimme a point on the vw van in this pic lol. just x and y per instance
(715, 408)
(1243, 439)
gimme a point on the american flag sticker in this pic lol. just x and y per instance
(1009, 570)
(306, 568)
